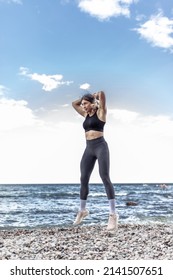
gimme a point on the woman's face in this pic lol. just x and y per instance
(86, 105)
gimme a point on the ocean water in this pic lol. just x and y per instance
(29, 206)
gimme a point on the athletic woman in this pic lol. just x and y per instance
(93, 108)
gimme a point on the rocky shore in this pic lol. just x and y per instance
(130, 242)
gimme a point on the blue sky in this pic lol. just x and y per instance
(51, 52)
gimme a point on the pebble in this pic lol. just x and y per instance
(130, 242)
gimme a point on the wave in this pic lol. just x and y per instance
(40, 205)
(97, 194)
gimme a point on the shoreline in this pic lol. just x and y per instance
(88, 242)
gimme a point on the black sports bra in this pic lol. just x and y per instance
(93, 123)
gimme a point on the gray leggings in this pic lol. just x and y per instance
(95, 149)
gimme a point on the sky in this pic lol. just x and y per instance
(53, 52)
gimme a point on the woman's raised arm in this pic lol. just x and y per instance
(77, 106)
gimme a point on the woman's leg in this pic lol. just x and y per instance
(86, 166)
(103, 161)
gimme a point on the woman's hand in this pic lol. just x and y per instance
(96, 95)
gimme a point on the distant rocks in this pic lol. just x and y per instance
(131, 203)
(163, 186)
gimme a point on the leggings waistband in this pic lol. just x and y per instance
(95, 141)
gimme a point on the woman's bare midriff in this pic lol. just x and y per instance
(93, 134)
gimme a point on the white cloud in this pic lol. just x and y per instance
(49, 82)
(85, 86)
(3, 90)
(141, 146)
(158, 31)
(161, 124)
(105, 9)
(123, 116)
(15, 114)
(32, 150)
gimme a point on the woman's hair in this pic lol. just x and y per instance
(89, 97)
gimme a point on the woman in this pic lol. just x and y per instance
(93, 108)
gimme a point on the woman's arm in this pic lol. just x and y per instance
(100, 96)
(77, 106)
(102, 110)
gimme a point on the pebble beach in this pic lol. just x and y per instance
(129, 242)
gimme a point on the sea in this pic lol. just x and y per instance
(56, 205)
